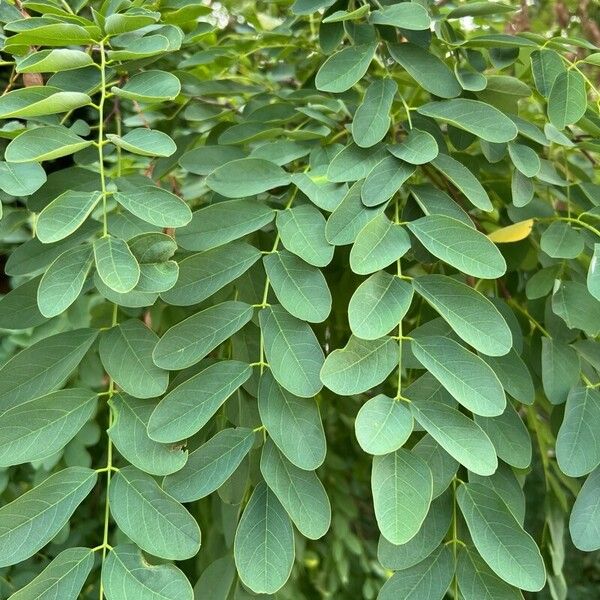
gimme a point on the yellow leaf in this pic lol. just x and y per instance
(513, 233)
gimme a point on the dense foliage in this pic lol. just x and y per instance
(319, 279)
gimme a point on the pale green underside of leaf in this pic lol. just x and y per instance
(507, 549)
(264, 543)
(30, 521)
(151, 518)
(126, 571)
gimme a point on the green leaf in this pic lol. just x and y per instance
(157, 277)
(300, 288)
(223, 222)
(53, 61)
(431, 534)
(129, 435)
(293, 423)
(151, 518)
(144, 47)
(21, 179)
(372, 118)
(44, 143)
(378, 244)
(145, 142)
(246, 177)
(428, 579)
(443, 466)
(513, 375)
(305, 7)
(344, 15)
(281, 152)
(462, 438)
(360, 365)
(426, 69)
(459, 245)
(155, 205)
(33, 256)
(577, 307)
(382, 425)
(478, 118)
(132, 299)
(477, 581)
(567, 101)
(525, 159)
(292, 351)
(37, 100)
(126, 354)
(470, 314)
(384, 180)
(409, 15)
(505, 483)
(127, 572)
(436, 202)
(55, 34)
(264, 543)
(353, 163)
(189, 406)
(522, 189)
(201, 275)
(205, 159)
(509, 435)
(321, 192)
(300, 492)
(217, 579)
(30, 521)
(189, 341)
(64, 577)
(593, 275)
(19, 308)
(560, 369)
(65, 214)
(302, 231)
(344, 68)
(507, 549)
(466, 376)
(470, 79)
(150, 87)
(130, 21)
(402, 487)
(479, 9)
(42, 367)
(152, 247)
(116, 265)
(578, 440)
(62, 283)
(349, 217)
(560, 240)
(38, 428)
(417, 148)
(378, 305)
(211, 465)
(464, 180)
(584, 523)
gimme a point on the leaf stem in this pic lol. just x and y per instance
(109, 466)
(407, 109)
(262, 362)
(455, 541)
(400, 335)
(526, 314)
(100, 142)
